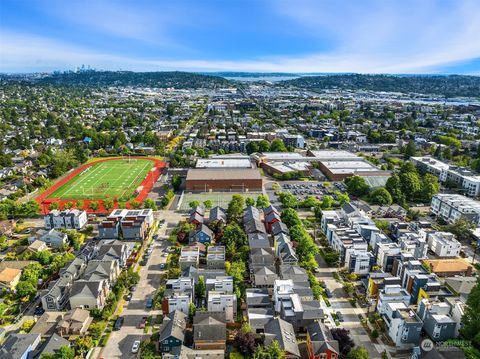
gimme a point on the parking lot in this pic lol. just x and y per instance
(302, 189)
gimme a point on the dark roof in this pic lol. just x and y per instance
(209, 327)
(255, 226)
(265, 276)
(446, 353)
(293, 272)
(261, 256)
(348, 208)
(16, 345)
(195, 216)
(269, 209)
(258, 317)
(282, 331)
(53, 344)
(251, 213)
(312, 309)
(217, 214)
(271, 217)
(199, 209)
(257, 297)
(321, 338)
(174, 325)
(279, 227)
(258, 240)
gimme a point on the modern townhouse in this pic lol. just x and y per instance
(444, 244)
(452, 207)
(67, 219)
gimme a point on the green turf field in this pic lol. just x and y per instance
(117, 178)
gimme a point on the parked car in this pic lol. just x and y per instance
(162, 266)
(149, 303)
(142, 323)
(340, 317)
(118, 323)
(129, 297)
(39, 311)
(328, 293)
(135, 346)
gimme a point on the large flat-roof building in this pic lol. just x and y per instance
(224, 163)
(338, 165)
(232, 179)
(452, 207)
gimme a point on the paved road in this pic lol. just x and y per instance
(120, 343)
(340, 302)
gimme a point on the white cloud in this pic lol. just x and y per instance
(367, 37)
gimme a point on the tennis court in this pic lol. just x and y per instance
(117, 179)
(218, 198)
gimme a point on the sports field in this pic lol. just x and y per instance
(115, 179)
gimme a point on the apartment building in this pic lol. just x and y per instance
(68, 219)
(452, 207)
(444, 244)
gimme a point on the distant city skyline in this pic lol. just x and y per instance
(295, 36)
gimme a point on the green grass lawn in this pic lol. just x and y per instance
(117, 178)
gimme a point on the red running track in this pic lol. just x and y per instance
(147, 184)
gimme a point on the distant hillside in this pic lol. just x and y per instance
(449, 86)
(128, 78)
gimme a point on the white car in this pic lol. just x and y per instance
(136, 346)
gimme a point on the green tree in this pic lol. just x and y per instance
(290, 217)
(271, 351)
(176, 182)
(327, 202)
(342, 198)
(233, 234)
(250, 202)
(430, 187)
(53, 206)
(394, 187)
(252, 147)
(288, 200)
(380, 196)
(264, 146)
(134, 204)
(200, 287)
(150, 203)
(471, 316)
(208, 204)
(357, 186)
(44, 257)
(68, 205)
(410, 184)
(410, 150)
(108, 204)
(25, 289)
(194, 204)
(93, 206)
(262, 201)
(235, 207)
(277, 145)
(84, 344)
(358, 353)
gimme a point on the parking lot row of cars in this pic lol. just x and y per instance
(313, 189)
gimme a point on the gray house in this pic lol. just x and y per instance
(283, 332)
(19, 346)
(437, 322)
(172, 332)
(52, 238)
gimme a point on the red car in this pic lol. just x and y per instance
(142, 323)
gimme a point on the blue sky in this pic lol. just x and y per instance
(366, 36)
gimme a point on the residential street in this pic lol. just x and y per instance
(120, 343)
(340, 302)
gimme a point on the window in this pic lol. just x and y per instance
(323, 355)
